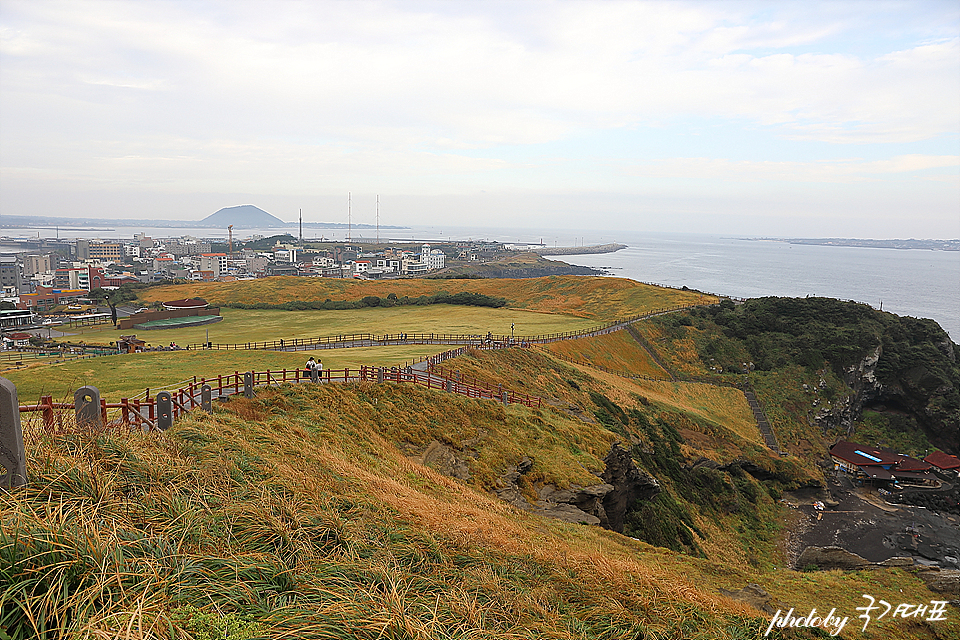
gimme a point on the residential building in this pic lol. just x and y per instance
(10, 279)
(46, 298)
(214, 262)
(34, 264)
(106, 251)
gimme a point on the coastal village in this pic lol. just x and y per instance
(55, 277)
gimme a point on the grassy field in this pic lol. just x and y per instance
(616, 351)
(122, 376)
(583, 296)
(296, 514)
(242, 325)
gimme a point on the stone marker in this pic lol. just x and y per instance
(448, 385)
(248, 384)
(380, 374)
(13, 458)
(314, 375)
(206, 398)
(165, 410)
(86, 403)
(506, 397)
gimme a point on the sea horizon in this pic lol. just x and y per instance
(907, 282)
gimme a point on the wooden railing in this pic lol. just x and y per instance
(142, 413)
(370, 339)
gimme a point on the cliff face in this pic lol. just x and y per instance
(917, 377)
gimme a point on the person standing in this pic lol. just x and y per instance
(309, 367)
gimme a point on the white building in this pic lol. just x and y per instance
(433, 259)
(215, 262)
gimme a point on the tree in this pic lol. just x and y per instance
(113, 297)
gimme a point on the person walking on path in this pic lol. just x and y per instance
(309, 367)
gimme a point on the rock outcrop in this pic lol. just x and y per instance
(603, 504)
(629, 484)
(754, 595)
(826, 558)
(942, 580)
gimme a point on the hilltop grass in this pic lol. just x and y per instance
(128, 375)
(722, 408)
(616, 351)
(295, 515)
(592, 297)
(240, 326)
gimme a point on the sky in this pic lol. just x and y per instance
(786, 119)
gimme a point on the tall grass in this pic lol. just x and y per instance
(296, 515)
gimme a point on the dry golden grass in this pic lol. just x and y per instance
(584, 296)
(130, 374)
(310, 523)
(616, 351)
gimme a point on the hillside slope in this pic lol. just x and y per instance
(297, 514)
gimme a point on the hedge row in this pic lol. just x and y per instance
(462, 298)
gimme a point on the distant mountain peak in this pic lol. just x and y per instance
(244, 215)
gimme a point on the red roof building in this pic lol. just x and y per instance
(187, 303)
(876, 464)
(943, 461)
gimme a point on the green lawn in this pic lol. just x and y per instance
(122, 376)
(242, 325)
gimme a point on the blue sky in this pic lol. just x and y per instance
(761, 118)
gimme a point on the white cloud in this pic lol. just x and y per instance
(318, 96)
(835, 171)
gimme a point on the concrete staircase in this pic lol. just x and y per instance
(765, 430)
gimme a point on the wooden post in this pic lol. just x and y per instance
(47, 403)
(125, 411)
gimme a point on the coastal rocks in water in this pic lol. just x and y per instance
(754, 595)
(826, 558)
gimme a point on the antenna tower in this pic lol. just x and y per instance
(349, 219)
(230, 232)
(301, 227)
(378, 219)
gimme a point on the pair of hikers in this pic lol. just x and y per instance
(311, 366)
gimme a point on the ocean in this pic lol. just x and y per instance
(912, 282)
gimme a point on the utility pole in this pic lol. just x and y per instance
(301, 227)
(349, 219)
(378, 219)
(230, 231)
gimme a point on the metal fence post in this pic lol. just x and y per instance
(13, 457)
(86, 404)
(206, 398)
(164, 410)
(248, 384)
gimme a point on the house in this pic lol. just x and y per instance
(20, 339)
(944, 462)
(361, 266)
(875, 465)
(130, 344)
